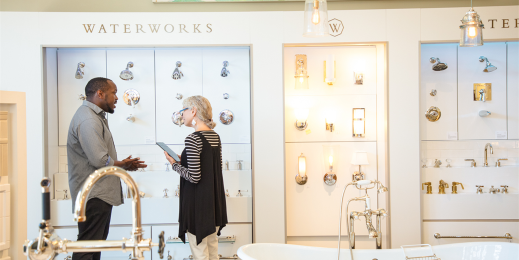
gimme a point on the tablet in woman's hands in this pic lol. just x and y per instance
(168, 150)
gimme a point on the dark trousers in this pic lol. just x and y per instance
(98, 214)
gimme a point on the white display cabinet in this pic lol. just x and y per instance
(142, 130)
(236, 85)
(70, 88)
(513, 89)
(470, 71)
(167, 89)
(445, 85)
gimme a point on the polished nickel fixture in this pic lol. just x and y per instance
(316, 18)
(301, 176)
(79, 71)
(330, 156)
(177, 118)
(489, 67)
(177, 74)
(359, 158)
(130, 118)
(131, 97)
(179, 96)
(226, 117)
(48, 244)
(301, 118)
(225, 96)
(126, 74)
(480, 189)
(438, 65)
(225, 72)
(471, 29)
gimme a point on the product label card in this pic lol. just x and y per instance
(149, 140)
(452, 135)
(308, 131)
(501, 135)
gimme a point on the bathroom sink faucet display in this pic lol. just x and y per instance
(491, 152)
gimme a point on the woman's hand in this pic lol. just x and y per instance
(170, 159)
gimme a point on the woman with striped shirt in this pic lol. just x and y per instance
(203, 212)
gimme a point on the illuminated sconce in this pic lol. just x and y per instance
(301, 177)
(330, 154)
(359, 125)
(301, 118)
(301, 72)
(359, 158)
(329, 71)
(359, 78)
(330, 120)
(79, 71)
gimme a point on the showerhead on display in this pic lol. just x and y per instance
(177, 74)
(489, 67)
(127, 74)
(79, 71)
(438, 65)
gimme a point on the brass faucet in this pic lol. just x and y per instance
(455, 188)
(429, 187)
(442, 187)
(491, 152)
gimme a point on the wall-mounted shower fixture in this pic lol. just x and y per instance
(482, 92)
(126, 74)
(79, 71)
(429, 187)
(177, 191)
(329, 71)
(441, 188)
(82, 97)
(301, 118)
(484, 113)
(359, 158)
(226, 117)
(301, 72)
(498, 162)
(437, 163)
(177, 74)
(301, 176)
(455, 188)
(131, 97)
(489, 67)
(167, 167)
(177, 118)
(179, 96)
(225, 96)
(130, 118)
(240, 165)
(359, 124)
(479, 190)
(433, 92)
(165, 193)
(225, 72)
(438, 65)
(433, 114)
(472, 162)
(359, 78)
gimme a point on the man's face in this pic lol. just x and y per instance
(110, 97)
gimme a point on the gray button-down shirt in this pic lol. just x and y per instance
(90, 146)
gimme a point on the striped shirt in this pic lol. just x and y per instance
(193, 148)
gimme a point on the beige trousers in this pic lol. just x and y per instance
(207, 249)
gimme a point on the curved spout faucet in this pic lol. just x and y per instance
(491, 152)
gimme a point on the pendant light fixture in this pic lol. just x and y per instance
(471, 29)
(316, 18)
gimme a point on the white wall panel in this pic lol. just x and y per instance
(69, 88)
(468, 229)
(237, 85)
(316, 201)
(470, 71)
(445, 83)
(142, 131)
(513, 90)
(167, 88)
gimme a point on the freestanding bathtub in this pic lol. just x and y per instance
(461, 251)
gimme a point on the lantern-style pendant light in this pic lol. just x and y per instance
(471, 29)
(316, 18)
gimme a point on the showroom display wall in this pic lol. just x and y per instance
(456, 142)
(157, 90)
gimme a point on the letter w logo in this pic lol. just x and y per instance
(90, 29)
(336, 27)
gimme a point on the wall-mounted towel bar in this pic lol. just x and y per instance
(506, 236)
(235, 256)
(221, 239)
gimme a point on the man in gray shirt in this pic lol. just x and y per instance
(90, 146)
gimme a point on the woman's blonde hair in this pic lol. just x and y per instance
(204, 111)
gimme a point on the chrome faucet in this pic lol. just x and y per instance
(48, 245)
(491, 152)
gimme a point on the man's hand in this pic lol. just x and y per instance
(130, 164)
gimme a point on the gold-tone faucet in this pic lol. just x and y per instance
(455, 188)
(442, 187)
(491, 152)
(429, 187)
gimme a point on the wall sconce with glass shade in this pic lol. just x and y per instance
(359, 124)
(301, 118)
(330, 156)
(330, 120)
(471, 29)
(316, 18)
(301, 176)
(359, 78)
(359, 158)
(301, 72)
(329, 70)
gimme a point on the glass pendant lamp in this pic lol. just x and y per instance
(471, 29)
(316, 18)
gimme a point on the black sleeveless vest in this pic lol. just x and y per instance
(202, 205)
